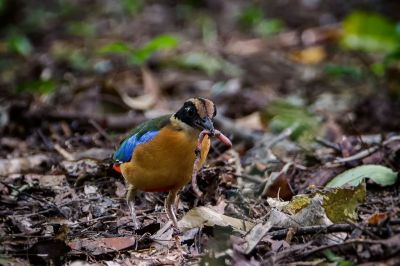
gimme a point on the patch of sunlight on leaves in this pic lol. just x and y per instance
(369, 32)
(37, 86)
(282, 114)
(379, 174)
(342, 71)
(138, 56)
(339, 203)
(207, 63)
(332, 257)
(20, 44)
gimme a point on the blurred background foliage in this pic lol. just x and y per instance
(272, 49)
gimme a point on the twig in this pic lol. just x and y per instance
(252, 178)
(328, 144)
(100, 130)
(64, 153)
(391, 245)
(323, 229)
(357, 156)
(284, 135)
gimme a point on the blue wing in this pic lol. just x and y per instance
(127, 147)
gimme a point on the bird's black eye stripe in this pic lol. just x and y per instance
(190, 111)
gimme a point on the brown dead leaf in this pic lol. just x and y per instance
(309, 56)
(25, 225)
(200, 216)
(147, 100)
(102, 245)
(251, 121)
(255, 235)
(55, 182)
(245, 47)
(23, 164)
(121, 189)
(377, 218)
(278, 186)
(163, 236)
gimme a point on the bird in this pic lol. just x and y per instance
(159, 154)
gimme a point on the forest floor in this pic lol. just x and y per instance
(299, 109)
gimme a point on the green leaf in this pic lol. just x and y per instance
(120, 48)
(283, 114)
(379, 174)
(38, 86)
(2, 5)
(269, 26)
(19, 44)
(202, 61)
(369, 32)
(250, 16)
(339, 204)
(132, 6)
(343, 71)
(140, 55)
(332, 257)
(81, 28)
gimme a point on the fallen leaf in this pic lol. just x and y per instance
(251, 121)
(377, 218)
(88, 189)
(102, 245)
(255, 235)
(339, 204)
(246, 47)
(278, 186)
(310, 55)
(25, 225)
(93, 153)
(200, 216)
(24, 164)
(147, 100)
(163, 236)
(121, 189)
(379, 174)
(312, 214)
(369, 32)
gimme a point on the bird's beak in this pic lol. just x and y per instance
(206, 124)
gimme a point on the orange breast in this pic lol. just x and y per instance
(165, 163)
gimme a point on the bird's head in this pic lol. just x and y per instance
(197, 113)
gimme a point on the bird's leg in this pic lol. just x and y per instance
(130, 199)
(169, 206)
(176, 204)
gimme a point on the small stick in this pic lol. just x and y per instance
(203, 133)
